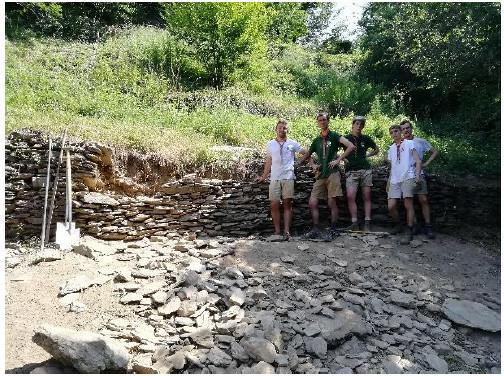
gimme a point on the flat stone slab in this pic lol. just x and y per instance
(75, 284)
(472, 314)
(99, 199)
(87, 352)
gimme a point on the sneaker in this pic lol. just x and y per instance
(287, 237)
(397, 229)
(353, 227)
(428, 231)
(314, 233)
(275, 238)
(367, 225)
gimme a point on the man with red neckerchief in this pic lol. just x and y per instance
(405, 167)
(327, 185)
(280, 164)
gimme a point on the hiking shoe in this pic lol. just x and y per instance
(314, 233)
(287, 237)
(428, 231)
(367, 225)
(353, 227)
(334, 233)
(397, 229)
(417, 230)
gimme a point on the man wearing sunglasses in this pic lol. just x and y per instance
(405, 167)
(422, 146)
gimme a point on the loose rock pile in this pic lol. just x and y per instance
(201, 310)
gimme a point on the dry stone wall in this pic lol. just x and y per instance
(109, 204)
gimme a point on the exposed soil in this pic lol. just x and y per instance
(452, 267)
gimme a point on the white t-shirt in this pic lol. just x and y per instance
(401, 168)
(282, 158)
(421, 146)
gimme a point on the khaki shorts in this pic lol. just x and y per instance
(364, 178)
(279, 189)
(330, 186)
(404, 189)
(421, 188)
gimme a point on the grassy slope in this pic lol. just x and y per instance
(107, 92)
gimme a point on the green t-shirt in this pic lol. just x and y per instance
(326, 151)
(357, 159)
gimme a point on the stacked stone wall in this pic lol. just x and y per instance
(107, 207)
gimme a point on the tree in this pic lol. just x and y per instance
(225, 36)
(436, 56)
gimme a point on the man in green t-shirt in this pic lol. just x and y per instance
(358, 172)
(327, 185)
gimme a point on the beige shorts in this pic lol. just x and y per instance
(364, 178)
(421, 188)
(330, 186)
(404, 189)
(279, 189)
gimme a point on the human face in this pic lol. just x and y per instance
(395, 134)
(322, 122)
(357, 127)
(281, 130)
(407, 131)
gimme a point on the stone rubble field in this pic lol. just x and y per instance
(181, 304)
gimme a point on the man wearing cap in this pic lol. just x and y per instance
(280, 155)
(358, 172)
(422, 146)
(327, 185)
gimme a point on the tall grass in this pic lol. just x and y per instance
(125, 92)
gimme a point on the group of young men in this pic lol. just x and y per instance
(407, 178)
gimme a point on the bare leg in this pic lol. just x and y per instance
(287, 211)
(366, 197)
(333, 205)
(392, 207)
(313, 204)
(424, 202)
(352, 205)
(410, 211)
(275, 215)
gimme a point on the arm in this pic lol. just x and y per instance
(434, 154)
(418, 165)
(267, 169)
(349, 148)
(373, 152)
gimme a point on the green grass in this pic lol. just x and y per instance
(112, 93)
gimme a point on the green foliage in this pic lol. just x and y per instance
(222, 73)
(224, 36)
(436, 56)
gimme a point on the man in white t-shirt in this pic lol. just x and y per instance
(280, 158)
(422, 146)
(405, 167)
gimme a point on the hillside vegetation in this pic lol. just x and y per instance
(167, 88)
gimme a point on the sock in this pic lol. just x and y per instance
(367, 219)
(354, 220)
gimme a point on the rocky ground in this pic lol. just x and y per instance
(358, 304)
